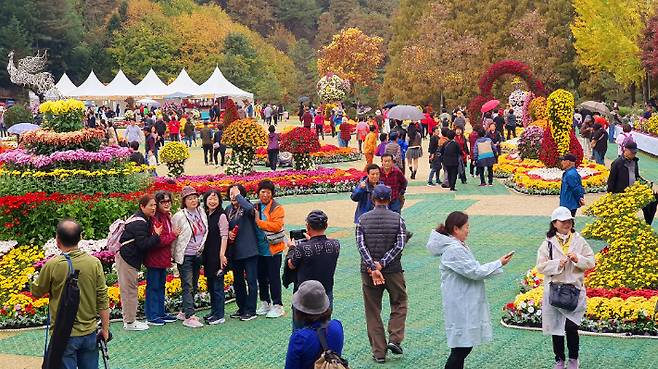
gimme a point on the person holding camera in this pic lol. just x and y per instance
(81, 350)
(563, 258)
(314, 257)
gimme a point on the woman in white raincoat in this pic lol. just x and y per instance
(465, 307)
(572, 256)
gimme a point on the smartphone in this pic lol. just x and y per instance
(298, 234)
(511, 253)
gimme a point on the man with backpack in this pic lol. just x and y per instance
(445, 118)
(77, 349)
(624, 138)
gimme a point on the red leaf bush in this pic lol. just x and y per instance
(300, 140)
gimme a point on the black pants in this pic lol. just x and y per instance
(273, 158)
(452, 170)
(220, 150)
(245, 272)
(510, 131)
(462, 171)
(489, 174)
(472, 168)
(207, 153)
(320, 131)
(573, 342)
(269, 279)
(457, 357)
(333, 130)
(650, 211)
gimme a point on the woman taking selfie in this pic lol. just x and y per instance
(563, 258)
(465, 307)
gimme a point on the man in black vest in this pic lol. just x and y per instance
(380, 237)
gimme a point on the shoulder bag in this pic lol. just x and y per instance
(562, 295)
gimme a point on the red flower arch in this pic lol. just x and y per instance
(498, 70)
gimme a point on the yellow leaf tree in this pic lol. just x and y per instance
(607, 36)
(352, 55)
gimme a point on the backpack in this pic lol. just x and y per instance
(627, 140)
(116, 231)
(328, 359)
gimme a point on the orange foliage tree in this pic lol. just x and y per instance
(352, 55)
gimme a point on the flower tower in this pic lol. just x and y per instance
(332, 88)
(560, 137)
(244, 136)
(301, 142)
(174, 154)
(231, 113)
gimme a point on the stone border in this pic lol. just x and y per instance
(584, 333)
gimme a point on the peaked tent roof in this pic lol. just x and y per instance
(151, 86)
(120, 87)
(90, 89)
(65, 86)
(217, 85)
(183, 83)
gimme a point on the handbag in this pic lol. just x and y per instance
(274, 238)
(562, 295)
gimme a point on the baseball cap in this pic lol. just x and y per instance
(561, 214)
(317, 219)
(382, 192)
(631, 146)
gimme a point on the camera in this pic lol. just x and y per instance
(298, 234)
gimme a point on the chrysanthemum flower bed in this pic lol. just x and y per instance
(622, 290)
(328, 154)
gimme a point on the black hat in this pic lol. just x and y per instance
(317, 219)
(631, 146)
(569, 156)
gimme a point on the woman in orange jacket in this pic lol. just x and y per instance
(370, 145)
(269, 219)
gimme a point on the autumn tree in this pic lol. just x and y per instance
(607, 36)
(352, 55)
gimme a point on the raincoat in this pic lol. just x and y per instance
(465, 307)
(553, 319)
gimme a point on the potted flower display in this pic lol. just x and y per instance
(332, 88)
(174, 154)
(244, 136)
(301, 142)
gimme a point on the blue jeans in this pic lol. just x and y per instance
(189, 275)
(396, 206)
(599, 158)
(188, 140)
(81, 352)
(246, 298)
(217, 296)
(298, 324)
(434, 173)
(611, 133)
(154, 306)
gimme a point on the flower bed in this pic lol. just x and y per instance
(622, 290)
(80, 159)
(328, 154)
(19, 309)
(43, 142)
(288, 182)
(532, 177)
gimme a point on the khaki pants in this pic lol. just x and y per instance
(372, 300)
(127, 288)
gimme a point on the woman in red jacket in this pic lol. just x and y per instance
(157, 260)
(463, 146)
(472, 137)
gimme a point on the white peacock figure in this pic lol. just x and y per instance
(28, 73)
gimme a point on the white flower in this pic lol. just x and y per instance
(539, 312)
(6, 246)
(524, 305)
(531, 309)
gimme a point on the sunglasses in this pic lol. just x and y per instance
(165, 202)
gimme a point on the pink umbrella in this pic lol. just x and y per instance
(489, 105)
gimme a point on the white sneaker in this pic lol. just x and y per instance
(276, 311)
(135, 326)
(264, 308)
(192, 322)
(180, 315)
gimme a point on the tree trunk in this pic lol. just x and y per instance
(632, 89)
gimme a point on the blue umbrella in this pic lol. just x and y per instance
(21, 128)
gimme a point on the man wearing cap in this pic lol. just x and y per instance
(624, 171)
(380, 237)
(314, 258)
(572, 193)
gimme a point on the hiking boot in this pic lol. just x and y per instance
(192, 322)
(572, 364)
(395, 348)
(135, 326)
(559, 364)
(264, 308)
(276, 311)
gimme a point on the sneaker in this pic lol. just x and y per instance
(572, 364)
(379, 360)
(180, 316)
(206, 317)
(430, 184)
(559, 364)
(248, 317)
(276, 311)
(214, 320)
(483, 185)
(156, 322)
(264, 308)
(192, 322)
(169, 319)
(135, 326)
(236, 315)
(453, 190)
(395, 348)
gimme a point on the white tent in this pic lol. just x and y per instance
(90, 89)
(65, 86)
(217, 85)
(120, 87)
(151, 86)
(184, 84)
